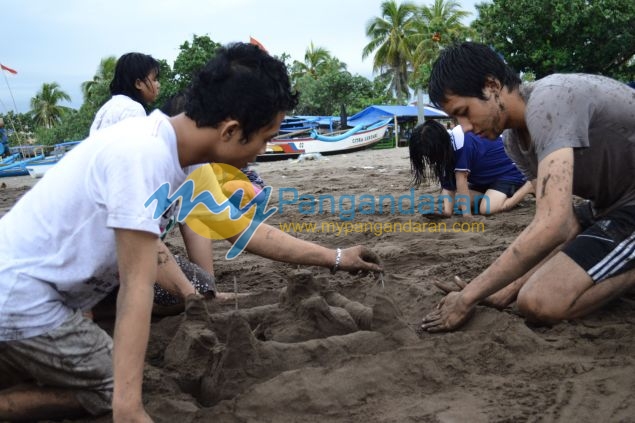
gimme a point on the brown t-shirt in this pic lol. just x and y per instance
(595, 116)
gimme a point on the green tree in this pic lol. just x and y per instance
(44, 106)
(547, 36)
(97, 90)
(339, 93)
(19, 126)
(191, 58)
(392, 38)
(317, 61)
(438, 25)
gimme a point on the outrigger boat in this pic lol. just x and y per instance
(356, 138)
(37, 165)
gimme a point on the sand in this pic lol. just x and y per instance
(309, 346)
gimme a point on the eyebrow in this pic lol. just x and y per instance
(455, 111)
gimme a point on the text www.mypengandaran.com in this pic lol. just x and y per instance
(379, 228)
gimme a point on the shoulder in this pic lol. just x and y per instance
(568, 89)
(458, 137)
(123, 102)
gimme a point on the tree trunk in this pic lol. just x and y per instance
(343, 116)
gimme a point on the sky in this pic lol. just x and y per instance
(63, 41)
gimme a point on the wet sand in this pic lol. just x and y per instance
(309, 346)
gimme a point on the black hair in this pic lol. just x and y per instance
(175, 104)
(129, 68)
(463, 69)
(431, 150)
(240, 82)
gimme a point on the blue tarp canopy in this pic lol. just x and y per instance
(404, 114)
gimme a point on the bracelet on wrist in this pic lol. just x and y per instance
(338, 261)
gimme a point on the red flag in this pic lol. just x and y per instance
(255, 42)
(8, 69)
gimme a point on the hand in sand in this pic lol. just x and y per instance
(360, 260)
(451, 313)
(498, 300)
(456, 285)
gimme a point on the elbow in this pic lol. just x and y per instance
(559, 229)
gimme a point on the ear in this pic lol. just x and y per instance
(229, 129)
(492, 85)
(138, 84)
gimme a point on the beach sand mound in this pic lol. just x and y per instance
(308, 346)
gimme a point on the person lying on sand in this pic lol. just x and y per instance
(570, 135)
(85, 228)
(468, 167)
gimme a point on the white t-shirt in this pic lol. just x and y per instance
(457, 137)
(57, 244)
(118, 108)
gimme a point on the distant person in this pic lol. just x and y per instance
(97, 233)
(134, 86)
(571, 134)
(468, 167)
(4, 140)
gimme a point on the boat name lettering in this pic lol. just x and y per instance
(357, 140)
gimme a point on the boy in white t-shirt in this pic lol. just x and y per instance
(88, 222)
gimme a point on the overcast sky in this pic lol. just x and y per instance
(63, 41)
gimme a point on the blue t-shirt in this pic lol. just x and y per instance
(485, 161)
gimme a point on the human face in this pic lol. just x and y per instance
(149, 87)
(485, 118)
(239, 154)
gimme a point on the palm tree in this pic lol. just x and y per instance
(317, 60)
(437, 25)
(44, 106)
(95, 89)
(391, 38)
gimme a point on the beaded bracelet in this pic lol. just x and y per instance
(338, 261)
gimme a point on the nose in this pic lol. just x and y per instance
(263, 149)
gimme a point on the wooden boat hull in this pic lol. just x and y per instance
(39, 168)
(18, 168)
(287, 148)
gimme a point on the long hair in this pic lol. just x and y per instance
(431, 151)
(463, 69)
(240, 82)
(130, 68)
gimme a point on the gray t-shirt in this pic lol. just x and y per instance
(595, 116)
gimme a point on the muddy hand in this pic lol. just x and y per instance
(456, 285)
(451, 313)
(360, 260)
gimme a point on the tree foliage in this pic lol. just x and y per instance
(191, 58)
(392, 39)
(437, 26)
(44, 106)
(97, 90)
(548, 36)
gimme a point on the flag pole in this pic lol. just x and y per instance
(15, 108)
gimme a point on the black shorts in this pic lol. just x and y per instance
(508, 188)
(605, 247)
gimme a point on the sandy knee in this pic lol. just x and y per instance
(538, 307)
